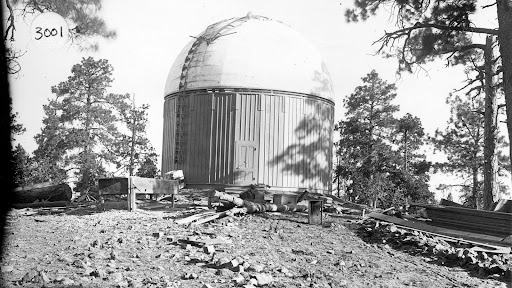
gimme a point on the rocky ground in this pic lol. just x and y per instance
(117, 248)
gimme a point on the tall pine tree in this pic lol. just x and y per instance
(83, 125)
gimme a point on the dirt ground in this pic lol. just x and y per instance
(117, 248)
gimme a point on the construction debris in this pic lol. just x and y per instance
(478, 239)
(251, 207)
(470, 220)
(463, 254)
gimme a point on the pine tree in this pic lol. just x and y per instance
(462, 142)
(133, 147)
(427, 30)
(80, 123)
(364, 145)
(87, 130)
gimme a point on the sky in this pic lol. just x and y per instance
(150, 34)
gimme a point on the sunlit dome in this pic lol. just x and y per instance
(252, 52)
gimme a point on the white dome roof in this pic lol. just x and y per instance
(250, 52)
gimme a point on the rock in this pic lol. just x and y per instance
(263, 279)
(190, 276)
(224, 272)
(284, 270)
(207, 286)
(209, 249)
(29, 276)
(99, 273)
(113, 255)
(116, 277)
(44, 277)
(7, 268)
(232, 264)
(158, 234)
(240, 260)
(255, 268)
(239, 279)
(252, 282)
(222, 262)
(66, 281)
(79, 264)
(95, 243)
(88, 271)
(66, 259)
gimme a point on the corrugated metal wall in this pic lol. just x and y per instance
(238, 138)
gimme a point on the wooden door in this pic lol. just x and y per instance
(246, 162)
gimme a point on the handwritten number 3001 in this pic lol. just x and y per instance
(47, 32)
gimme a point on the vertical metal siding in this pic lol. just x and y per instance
(199, 134)
(168, 137)
(292, 136)
(222, 130)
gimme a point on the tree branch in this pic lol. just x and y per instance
(10, 27)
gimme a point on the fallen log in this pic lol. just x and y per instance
(256, 207)
(64, 204)
(42, 192)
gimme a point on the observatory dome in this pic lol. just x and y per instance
(251, 52)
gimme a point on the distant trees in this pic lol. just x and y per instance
(462, 141)
(87, 130)
(375, 149)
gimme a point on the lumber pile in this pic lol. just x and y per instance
(470, 220)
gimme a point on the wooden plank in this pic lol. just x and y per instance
(202, 242)
(480, 239)
(194, 217)
(209, 218)
(469, 211)
(154, 186)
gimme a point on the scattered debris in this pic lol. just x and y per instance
(462, 254)
(470, 220)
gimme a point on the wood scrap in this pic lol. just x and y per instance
(303, 196)
(194, 217)
(205, 241)
(209, 218)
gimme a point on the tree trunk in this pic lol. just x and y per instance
(490, 128)
(504, 9)
(42, 192)
(474, 188)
